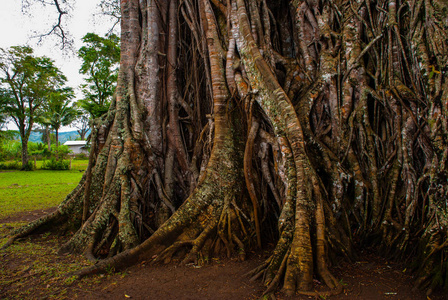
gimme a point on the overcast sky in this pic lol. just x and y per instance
(18, 28)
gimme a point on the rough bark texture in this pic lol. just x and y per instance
(318, 125)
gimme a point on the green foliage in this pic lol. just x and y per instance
(58, 111)
(12, 165)
(28, 167)
(26, 84)
(38, 149)
(82, 124)
(8, 135)
(58, 158)
(3, 114)
(15, 165)
(56, 164)
(60, 151)
(100, 57)
(10, 150)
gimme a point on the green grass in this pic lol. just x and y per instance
(26, 191)
(31, 268)
(79, 164)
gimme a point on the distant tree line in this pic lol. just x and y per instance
(34, 94)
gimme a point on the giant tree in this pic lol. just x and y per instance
(27, 82)
(312, 124)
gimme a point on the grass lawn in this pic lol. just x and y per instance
(25, 191)
(31, 268)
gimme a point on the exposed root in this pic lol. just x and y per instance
(207, 209)
(198, 243)
(32, 227)
(65, 211)
(167, 254)
(275, 282)
(168, 239)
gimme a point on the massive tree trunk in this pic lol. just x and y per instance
(317, 125)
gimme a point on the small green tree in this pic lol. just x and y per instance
(44, 129)
(101, 58)
(82, 124)
(9, 146)
(26, 82)
(59, 111)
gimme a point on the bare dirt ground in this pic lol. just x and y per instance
(31, 268)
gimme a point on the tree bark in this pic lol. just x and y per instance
(25, 157)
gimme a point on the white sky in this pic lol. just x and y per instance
(18, 28)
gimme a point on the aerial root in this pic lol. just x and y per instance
(198, 243)
(272, 284)
(70, 202)
(88, 253)
(118, 261)
(241, 248)
(107, 234)
(168, 253)
(276, 281)
(258, 271)
(33, 226)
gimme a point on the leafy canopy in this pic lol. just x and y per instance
(58, 110)
(101, 57)
(26, 84)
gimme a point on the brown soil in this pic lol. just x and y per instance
(27, 216)
(371, 277)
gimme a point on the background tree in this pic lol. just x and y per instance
(3, 114)
(101, 58)
(111, 9)
(27, 82)
(5, 134)
(44, 129)
(61, 11)
(59, 110)
(315, 125)
(82, 124)
(9, 145)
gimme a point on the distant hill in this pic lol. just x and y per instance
(36, 137)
